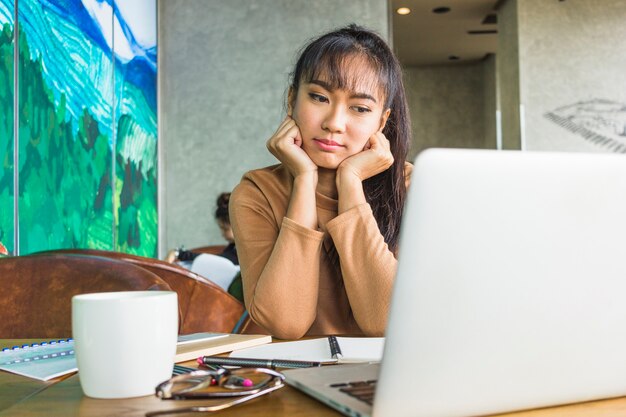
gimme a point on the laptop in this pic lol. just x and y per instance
(510, 292)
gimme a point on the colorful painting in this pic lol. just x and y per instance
(65, 120)
(87, 129)
(7, 150)
(135, 42)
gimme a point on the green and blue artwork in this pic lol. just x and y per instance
(136, 163)
(87, 136)
(7, 201)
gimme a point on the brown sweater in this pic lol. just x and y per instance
(291, 288)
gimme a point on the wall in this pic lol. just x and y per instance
(571, 74)
(452, 106)
(508, 63)
(223, 75)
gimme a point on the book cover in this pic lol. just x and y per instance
(222, 345)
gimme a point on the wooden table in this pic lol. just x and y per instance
(20, 396)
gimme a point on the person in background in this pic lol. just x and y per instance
(223, 221)
(317, 235)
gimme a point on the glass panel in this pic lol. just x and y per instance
(135, 47)
(7, 149)
(65, 125)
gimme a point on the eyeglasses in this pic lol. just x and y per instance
(236, 385)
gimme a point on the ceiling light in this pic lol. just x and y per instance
(403, 10)
(441, 10)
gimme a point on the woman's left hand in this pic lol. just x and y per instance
(375, 158)
(172, 256)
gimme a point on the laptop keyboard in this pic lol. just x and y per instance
(361, 390)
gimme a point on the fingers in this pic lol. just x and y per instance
(283, 130)
(286, 134)
(375, 141)
(381, 146)
(378, 139)
(284, 126)
(375, 158)
(286, 146)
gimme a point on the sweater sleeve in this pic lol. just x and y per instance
(367, 265)
(279, 261)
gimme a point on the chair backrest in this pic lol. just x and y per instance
(212, 249)
(204, 306)
(36, 294)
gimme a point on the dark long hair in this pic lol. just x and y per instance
(221, 212)
(330, 55)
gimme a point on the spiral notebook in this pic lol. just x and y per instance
(51, 359)
(43, 361)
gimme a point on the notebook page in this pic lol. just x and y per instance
(184, 339)
(314, 350)
(41, 362)
(361, 349)
(52, 359)
(353, 349)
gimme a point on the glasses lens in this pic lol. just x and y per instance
(273, 381)
(180, 385)
(209, 384)
(246, 379)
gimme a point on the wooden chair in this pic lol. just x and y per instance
(204, 306)
(37, 290)
(211, 250)
(245, 325)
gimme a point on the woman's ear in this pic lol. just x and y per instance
(383, 119)
(291, 100)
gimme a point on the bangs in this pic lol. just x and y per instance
(347, 69)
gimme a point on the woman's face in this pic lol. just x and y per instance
(335, 123)
(227, 231)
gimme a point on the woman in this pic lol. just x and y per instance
(317, 234)
(223, 222)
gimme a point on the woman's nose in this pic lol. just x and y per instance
(334, 120)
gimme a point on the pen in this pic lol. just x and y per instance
(256, 363)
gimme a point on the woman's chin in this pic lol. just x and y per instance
(327, 161)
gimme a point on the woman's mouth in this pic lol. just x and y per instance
(327, 144)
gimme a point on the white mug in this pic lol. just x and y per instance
(125, 342)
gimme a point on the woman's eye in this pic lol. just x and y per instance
(361, 109)
(318, 97)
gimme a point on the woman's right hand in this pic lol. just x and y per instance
(286, 145)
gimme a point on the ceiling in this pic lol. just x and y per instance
(426, 38)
